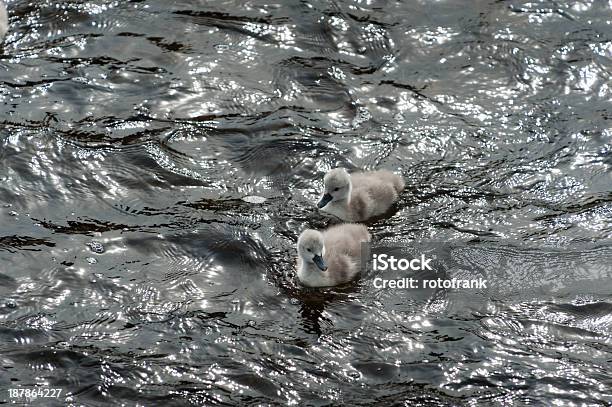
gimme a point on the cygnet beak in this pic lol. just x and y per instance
(318, 260)
(324, 201)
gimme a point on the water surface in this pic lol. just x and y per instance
(158, 160)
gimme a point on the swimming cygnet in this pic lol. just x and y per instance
(4, 23)
(331, 257)
(359, 196)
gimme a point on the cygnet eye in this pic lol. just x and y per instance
(337, 189)
(309, 250)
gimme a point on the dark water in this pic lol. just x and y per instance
(136, 267)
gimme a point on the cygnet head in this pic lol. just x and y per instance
(337, 186)
(310, 248)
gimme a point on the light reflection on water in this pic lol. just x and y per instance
(189, 139)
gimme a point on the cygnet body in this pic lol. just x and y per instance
(4, 23)
(359, 196)
(331, 257)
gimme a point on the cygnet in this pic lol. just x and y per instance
(4, 23)
(359, 196)
(331, 257)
